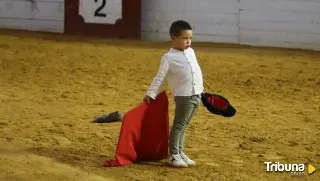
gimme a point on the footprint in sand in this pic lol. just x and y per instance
(206, 160)
(213, 164)
(274, 157)
(234, 160)
(62, 141)
(3, 123)
(43, 168)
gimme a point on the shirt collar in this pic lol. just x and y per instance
(174, 50)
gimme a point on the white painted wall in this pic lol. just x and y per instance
(280, 23)
(43, 15)
(283, 23)
(212, 20)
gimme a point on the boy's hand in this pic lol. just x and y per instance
(147, 99)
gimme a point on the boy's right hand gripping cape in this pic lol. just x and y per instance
(144, 133)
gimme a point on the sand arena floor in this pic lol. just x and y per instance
(52, 86)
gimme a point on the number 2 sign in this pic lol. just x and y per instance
(97, 12)
(100, 11)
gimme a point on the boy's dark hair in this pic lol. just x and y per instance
(178, 26)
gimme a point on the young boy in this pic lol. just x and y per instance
(179, 67)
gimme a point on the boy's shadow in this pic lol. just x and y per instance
(83, 158)
(152, 163)
(71, 156)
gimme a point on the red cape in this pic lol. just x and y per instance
(144, 133)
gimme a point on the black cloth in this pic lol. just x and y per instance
(217, 104)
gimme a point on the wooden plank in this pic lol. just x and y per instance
(216, 6)
(281, 5)
(280, 36)
(281, 27)
(32, 25)
(298, 17)
(27, 10)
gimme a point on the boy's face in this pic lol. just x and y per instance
(183, 41)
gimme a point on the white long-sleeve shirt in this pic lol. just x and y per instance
(181, 71)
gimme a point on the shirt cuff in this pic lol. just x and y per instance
(152, 95)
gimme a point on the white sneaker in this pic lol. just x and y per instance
(176, 161)
(187, 160)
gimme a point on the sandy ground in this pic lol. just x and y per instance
(52, 86)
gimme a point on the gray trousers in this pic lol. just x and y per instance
(186, 107)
